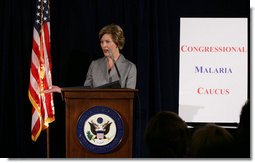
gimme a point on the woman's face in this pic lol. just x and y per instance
(107, 43)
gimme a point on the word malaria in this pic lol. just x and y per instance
(212, 70)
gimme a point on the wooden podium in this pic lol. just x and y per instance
(79, 100)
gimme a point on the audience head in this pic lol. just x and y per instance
(167, 136)
(243, 132)
(243, 129)
(211, 141)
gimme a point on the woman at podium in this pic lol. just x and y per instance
(113, 69)
(113, 66)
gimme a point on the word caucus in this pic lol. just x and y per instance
(213, 91)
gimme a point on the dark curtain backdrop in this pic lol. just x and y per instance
(152, 41)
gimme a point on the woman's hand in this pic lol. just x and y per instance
(53, 89)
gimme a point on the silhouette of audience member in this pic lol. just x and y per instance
(167, 136)
(212, 141)
(243, 132)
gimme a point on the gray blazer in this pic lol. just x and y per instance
(98, 75)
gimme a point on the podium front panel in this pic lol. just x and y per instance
(80, 100)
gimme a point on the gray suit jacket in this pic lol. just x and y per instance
(98, 75)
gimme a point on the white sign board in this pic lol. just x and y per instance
(213, 69)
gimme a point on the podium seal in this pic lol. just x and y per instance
(100, 129)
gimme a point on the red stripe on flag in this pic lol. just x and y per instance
(47, 40)
(36, 130)
(34, 95)
(34, 73)
(36, 49)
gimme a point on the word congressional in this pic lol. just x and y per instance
(213, 49)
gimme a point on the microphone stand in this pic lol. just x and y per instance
(115, 65)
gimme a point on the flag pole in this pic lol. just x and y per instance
(48, 142)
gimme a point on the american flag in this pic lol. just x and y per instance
(40, 71)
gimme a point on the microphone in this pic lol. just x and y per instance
(115, 84)
(115, 65)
